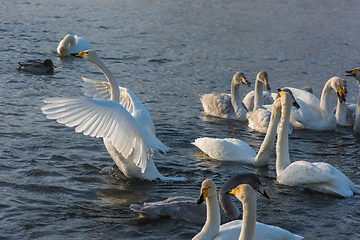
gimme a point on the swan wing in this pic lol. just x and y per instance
(340, 185)
(101, 118)
(301, 173)
(226, 149)
(218, 105)
(179, 207)
(101, 90)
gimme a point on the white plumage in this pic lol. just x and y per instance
(72, 44)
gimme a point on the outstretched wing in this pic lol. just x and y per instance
(101, 118)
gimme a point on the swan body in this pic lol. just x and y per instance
(321, 177)
(259, 117)
(186, 208)
(249, 99)
(46, 67)
(72, 44)
(249, 228)
(231, 149)
(316, 114)
(356, 74)
(227, 105)
(127, 140)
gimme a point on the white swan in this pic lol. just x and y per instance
(247, 228)
(344, 111)
(227, 105)
(127, 129)
(186, 208)
(232, 149)
(356, 74)
(72, 44)
(320, 176)
(316, 114)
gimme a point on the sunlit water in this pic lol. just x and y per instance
(59, 184)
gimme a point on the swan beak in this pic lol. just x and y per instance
(247, 83)
(54, 66)
(261, 190)
(352, 72)
(203, 195)
(80, 54)
(232, 192)
(295, 104)
(266, 82)
(341, 95)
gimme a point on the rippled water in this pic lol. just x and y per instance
(58, 184)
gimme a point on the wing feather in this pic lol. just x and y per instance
(102, 118)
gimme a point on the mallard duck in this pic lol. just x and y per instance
(46, 67)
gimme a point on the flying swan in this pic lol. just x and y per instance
(122, 121)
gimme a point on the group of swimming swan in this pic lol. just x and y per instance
(117, 115)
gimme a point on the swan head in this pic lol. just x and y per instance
(263, 77)
(354, 73)
(291, 96)
(65, 44)
(244, 192)
(239, 78)
(208, 189)
(88, 55)
(338, 85)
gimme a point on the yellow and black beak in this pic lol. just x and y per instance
(261, 190)
(281, 92)
(352, 72)
(54, 66)
(341, 95)
(80, 54)
(203, 195)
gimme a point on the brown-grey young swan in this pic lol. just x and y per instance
(225, 105)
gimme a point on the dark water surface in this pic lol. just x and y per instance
(59, 184)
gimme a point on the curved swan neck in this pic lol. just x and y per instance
(325, 100)
(357, 112)
(282, 145)
(213, 218)
(236, 100)
(341, 111)
(258, 98)
(115, 92)
(262, 158)
(249, 218)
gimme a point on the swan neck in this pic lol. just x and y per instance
(212, 224)
(262, 158)
(249, 219)
(115, 92)
(282, 145)
(357, 116)
(236, 99)
(258, 98)
(325, 100)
